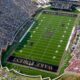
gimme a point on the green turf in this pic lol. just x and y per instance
(45, 39)
(29, 71)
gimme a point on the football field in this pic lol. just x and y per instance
(47, 40)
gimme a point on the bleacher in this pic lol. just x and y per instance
(13, 14)
(64, 4)
(27, 5)
(74, 63)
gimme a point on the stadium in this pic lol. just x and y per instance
(36, 41)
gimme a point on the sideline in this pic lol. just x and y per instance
(27, 32)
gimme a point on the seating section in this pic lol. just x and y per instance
(74, 65)
(13, 15)
(27, 5)
(59, 4)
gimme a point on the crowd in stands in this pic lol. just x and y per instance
(13, 14)
(68, 5)
(74, 65)
(61, 5)
(58, 4)
(27, 5)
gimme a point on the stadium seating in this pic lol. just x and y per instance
(12, 17)
(65, 4)
(75, 61)
(58, 4)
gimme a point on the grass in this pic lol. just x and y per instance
(29, 71)
(67, 58)
(44, 44)
(15, 76)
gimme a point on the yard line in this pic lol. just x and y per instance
(34, 31)
(61, 41)
(56, 51)
(21, 51)
(68, 23)
(54, 57)
(44, 17)
(31, 36)
(39, 24)
(66, 27)
(37, 27)
(64, 31)
(36, 44)
(69, 20)
(24, 46)
(59, 45)
(41, 20)
(63, 36)
(47, 47)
